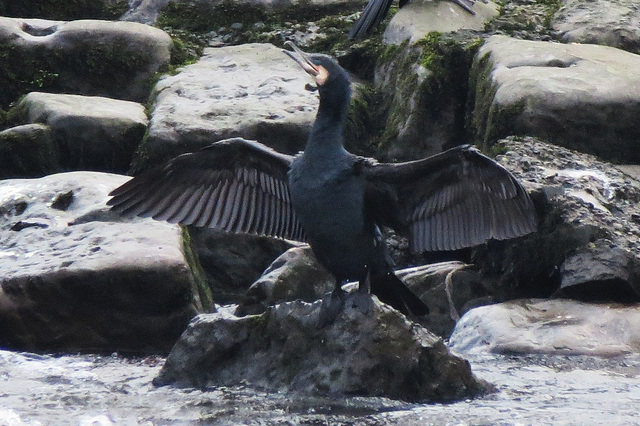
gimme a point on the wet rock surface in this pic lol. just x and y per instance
(254, 91)
(563, 327)
(75, 277)
(579, 96)
(369, 350)
(91, 132)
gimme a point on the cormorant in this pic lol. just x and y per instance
(335, 200)
(376, 10)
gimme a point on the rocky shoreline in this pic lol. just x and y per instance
(85, 101)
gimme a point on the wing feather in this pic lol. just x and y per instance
(456, 199)
(233, 185)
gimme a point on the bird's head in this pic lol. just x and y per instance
(330, 78)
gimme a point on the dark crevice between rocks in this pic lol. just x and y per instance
(614, 290)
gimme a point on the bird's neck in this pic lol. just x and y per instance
(327, 133)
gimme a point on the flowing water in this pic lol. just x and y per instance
(98, 390)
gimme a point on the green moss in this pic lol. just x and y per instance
(527, 19)
(201, 291)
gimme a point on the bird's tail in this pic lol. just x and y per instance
(373, 13)
(390, 290)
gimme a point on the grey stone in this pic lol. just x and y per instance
(562, 327)
(88, 57)
(93, 132)
(74, 277)
(584, 97)
(614, 23)
(588, 239)
(418, 18)
(378, 353)
(28, 151)
(254, 91)
(294, 275)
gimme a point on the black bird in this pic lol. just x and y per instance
(376, 10)
(335, 200)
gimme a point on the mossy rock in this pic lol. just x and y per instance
(28, 151)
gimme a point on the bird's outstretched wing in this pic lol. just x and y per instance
(233, 185)
(456, 199)
(373, 13)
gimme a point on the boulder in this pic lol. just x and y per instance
(294, 275)
(614, 23)
(561, 327)
(28, 151)
(418, 18)
(254, 91)
(369, 350)
(87, 57)
(579, 96)
(588, 239)
(75, 277)
(92, 132)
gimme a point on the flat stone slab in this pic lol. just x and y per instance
(562, 327)
(253, 90)
(93, 132)
(613, 23)
(580, 96)
(74, 277)
(89, 57)
(418, 18)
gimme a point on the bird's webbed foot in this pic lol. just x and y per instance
(332, 305)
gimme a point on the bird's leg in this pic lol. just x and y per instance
(361, 299)
(332, 305)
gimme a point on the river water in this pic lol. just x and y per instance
(99, 390)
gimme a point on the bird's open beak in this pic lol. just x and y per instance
(302, 59)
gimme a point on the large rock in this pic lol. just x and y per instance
(88, 57)
(378, 353)
(584, 97)
(613, 23)
(93, 133)
(294, 275)
(28, 151)
(254, 91)
(74, 277)
(588, 239)
(418, 18)
(550, 327)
